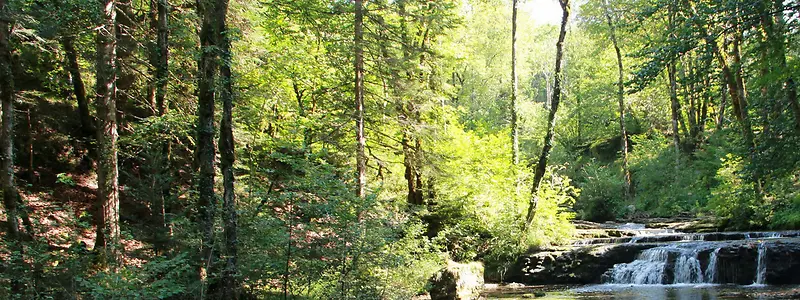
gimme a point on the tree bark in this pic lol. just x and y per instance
(690, 99)
(205, 154)
(742, 93)
(87, 126)
(227, 146)
(7, 129)
(160, 61)
(514, 87)
(628, 192)
(107, 170)
(675, 107)
(541, 165)
(127, 45)
(723, 103)
(361, 141)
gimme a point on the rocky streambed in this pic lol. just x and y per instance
(633, 254)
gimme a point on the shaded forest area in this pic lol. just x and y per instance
(349, 149)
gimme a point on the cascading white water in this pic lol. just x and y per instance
(648, 268)
(652, 265)
(761, 269)
(687, 269)
(711, 271)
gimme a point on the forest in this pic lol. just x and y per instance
(352, 149)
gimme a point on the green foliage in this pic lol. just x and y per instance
(312, 237)
(667, 183)
(602, 193)
(437, 79)
(735, 198)
(160, 278)
(64, 178)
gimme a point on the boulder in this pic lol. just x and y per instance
(583, 265)
(457, 282)
(783, 263)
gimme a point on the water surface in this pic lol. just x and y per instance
(655, 292)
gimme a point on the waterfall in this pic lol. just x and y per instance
(687, 269)
(761, 270)
(648, 268)
(711, 271)
(653, 265)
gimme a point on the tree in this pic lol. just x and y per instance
(514, 86)
(160, 62)
(361, 141)
(107, 169)
(227, 146)
(205, 154)
(675, 108)
(7, 94)
(621, 99)
(541, 164)
(87, 126)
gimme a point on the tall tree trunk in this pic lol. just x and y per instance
(160, 62)
(621, 99)
(703, 118)
(690, 99)
(675, 107)
(541, 165)
(735, 83)
(302, 111)
(514, 87)
(107, 171)
(227, 146)
(361, 141)
(10, 193)
(7, 129)
(723, 102)
(127, 45)
(742, 93)
(79, 89)
(412, 174)
(205, 154)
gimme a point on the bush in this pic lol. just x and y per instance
(158, 279)
(602, 193)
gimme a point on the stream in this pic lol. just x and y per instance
(636, 262)
(655, 292)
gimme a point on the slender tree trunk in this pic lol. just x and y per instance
(675, 107)
(691, 100)
(767, 62)
(514, 87)
(127, 45)
(703, 119)
(742, 93)
(7, 129)
(791, 96)
(738, 100)
(414, 190)
(408, 118)
(107, 170)
(541, 165)
(227, 146)
(160, 61)
(361, 141)
(302, 111)
(722, 104)
(628, 192)
(79, 89)
(205, 153)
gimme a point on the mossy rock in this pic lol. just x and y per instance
(457, 282)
